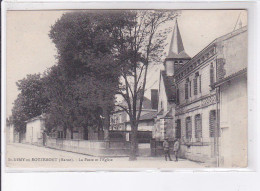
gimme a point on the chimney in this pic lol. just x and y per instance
(154, 98)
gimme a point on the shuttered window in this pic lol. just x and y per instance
(190, 88)
(188, 128)
(178, 129)
(200, 82)
(198, 127)
(195, 83)
(186, 90)
(178, 96)
(211, 74)
(212, 123)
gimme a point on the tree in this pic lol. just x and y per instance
(30, 102)
(85, 42)
(140, 44)
(107, 46)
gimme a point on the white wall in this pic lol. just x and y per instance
(10, 134)
(235, 53)
(34, 131)
(233, 123)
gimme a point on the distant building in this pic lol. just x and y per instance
(120, 127)
(79, 133)
(35, 128)
(12, 136)
(188, 105)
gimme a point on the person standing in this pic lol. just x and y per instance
(166, 149)
(176, 148)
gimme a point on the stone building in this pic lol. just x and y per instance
(231, 86)
(35, 129)
(120, 128)
(12, 136)
(188, 100)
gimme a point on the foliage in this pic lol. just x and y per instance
(86, 42)
(100, 54)
(30, 102)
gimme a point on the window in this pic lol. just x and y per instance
(211, 74)
(120, 118)
(60, 135)
(212, 123)
(190, 87)
(178, 129)
(198, 127)
(188, 128)
(187, 89)
(195, 82)
(200, 82)
(178, 96)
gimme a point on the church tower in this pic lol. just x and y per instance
(177, 55)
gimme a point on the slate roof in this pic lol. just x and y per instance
(238, 73)
(43, 116)
(147, 104)
(169, 86)
(168, 114)
(148, 116)
(176, 49)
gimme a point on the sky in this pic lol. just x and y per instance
(29, 49)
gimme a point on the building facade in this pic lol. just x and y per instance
(120, 127)
(35, 129)
(231, 86)
(188, 99)
(12, 136)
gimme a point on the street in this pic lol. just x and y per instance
(29, 156)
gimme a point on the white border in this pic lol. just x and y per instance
(245, 178)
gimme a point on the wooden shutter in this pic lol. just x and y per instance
(178, 97)
(200, 83)
(188, 128)
(190, 88)
(212, 123)
(186, 90)
(198, 126)
(178, 129)
(211, 74)
(195, 82)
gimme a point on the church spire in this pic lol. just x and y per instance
(176, 46)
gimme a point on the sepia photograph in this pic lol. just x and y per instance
(123, 89)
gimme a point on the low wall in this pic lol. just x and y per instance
(98, 148)
(157, 148)
(200, 152)
(90, 147)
